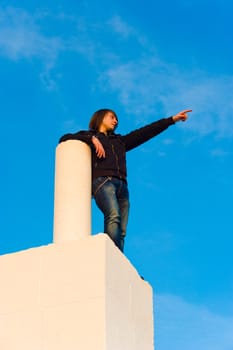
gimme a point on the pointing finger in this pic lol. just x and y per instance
(186, 111)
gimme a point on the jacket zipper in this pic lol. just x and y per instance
(117, 160)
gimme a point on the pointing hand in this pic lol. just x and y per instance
(181, 116)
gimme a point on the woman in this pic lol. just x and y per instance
(109, 172)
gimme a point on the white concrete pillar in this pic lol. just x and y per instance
(72, 197)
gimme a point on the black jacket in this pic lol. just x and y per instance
(116, 146)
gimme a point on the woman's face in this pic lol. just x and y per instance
(109, 123)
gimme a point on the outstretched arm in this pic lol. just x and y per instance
(141, 135)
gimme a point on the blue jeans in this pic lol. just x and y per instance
(112, 197)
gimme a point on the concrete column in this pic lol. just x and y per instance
(72, 197)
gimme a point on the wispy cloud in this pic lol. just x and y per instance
(125, 63)
(148, 85)
(21, 38)
(219, 153)
(188, 326)
(121, 27)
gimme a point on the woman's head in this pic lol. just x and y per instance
(103, 118)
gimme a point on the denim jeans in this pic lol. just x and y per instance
(112, 197)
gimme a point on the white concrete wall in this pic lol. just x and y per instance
(79, 295)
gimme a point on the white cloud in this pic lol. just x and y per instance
(180, 325)
(121, 27)
(210, 99)
(146, 87)
(219, 153)
(168, 141)
(20, 38)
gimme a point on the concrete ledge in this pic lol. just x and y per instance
(81, 294)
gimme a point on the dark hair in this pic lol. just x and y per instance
(98, 117)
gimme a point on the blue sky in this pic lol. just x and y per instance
(62, 60)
